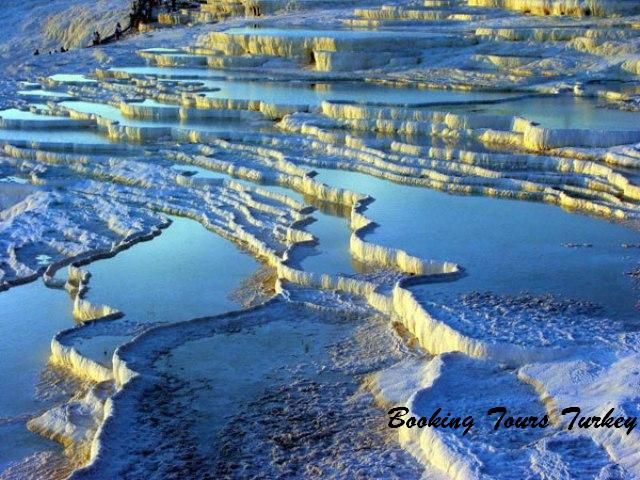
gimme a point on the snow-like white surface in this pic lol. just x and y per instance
(44, 25)
(86, 199)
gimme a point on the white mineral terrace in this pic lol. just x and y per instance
(336, 205)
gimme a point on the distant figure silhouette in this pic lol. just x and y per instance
(118, 32)
(96, 38)
(36, 52)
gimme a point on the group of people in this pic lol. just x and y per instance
(141, 12)
(36, 52)
(117, 34)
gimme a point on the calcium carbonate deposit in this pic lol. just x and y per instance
(232, 240)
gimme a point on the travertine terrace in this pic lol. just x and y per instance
(531, 100)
